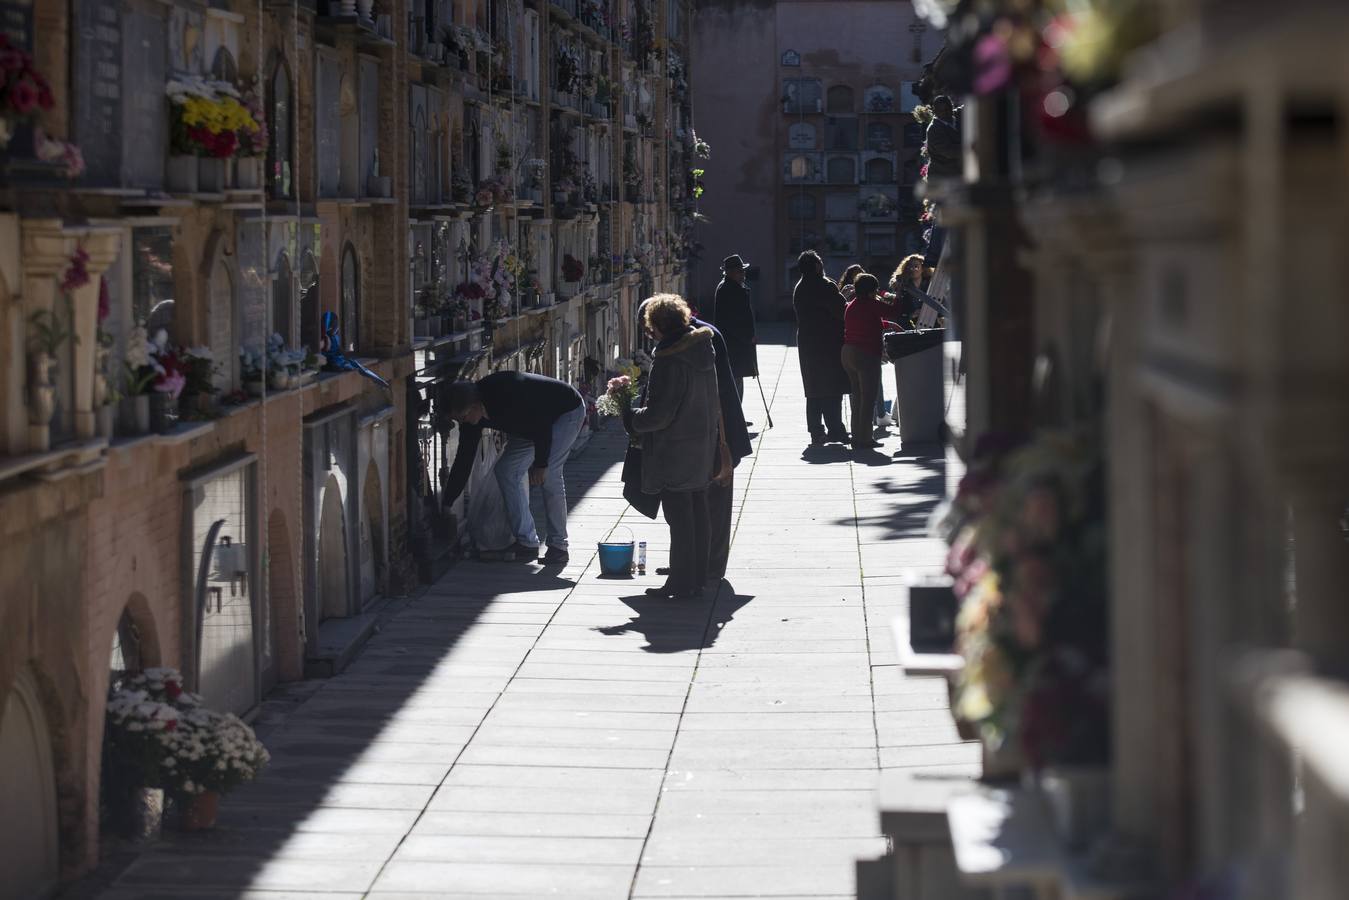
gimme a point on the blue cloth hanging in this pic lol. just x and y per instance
(339, 361)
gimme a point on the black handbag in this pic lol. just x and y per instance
(646, 504)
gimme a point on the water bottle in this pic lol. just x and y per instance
(641, 557)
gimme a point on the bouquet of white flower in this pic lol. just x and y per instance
(164, 736)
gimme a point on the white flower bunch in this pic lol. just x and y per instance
(181, 87)
(165, 736)
(138, 348)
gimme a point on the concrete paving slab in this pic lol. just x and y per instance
(518, 733)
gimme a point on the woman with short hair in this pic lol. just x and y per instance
(679, 430)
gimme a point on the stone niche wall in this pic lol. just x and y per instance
(45, 629)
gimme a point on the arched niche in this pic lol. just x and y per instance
(222, 320)
(350, 314)
(372, 534)
(283, 298)
(310, 302)
(879, 170)
(839, 99)
(879, 99)
(224, 68)
(841, 170)
(280, 119)
(29, 828)
(334, 596)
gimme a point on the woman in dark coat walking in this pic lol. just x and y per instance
(679, 431)
(819, 340)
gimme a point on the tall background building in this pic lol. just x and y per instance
(807, 105)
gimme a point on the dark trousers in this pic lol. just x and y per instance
(864, 374)
(686, 514)
(739, 381)
(719, 527)
(824, 414)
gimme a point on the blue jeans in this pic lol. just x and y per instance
(512, 473)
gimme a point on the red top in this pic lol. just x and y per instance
(864, 322)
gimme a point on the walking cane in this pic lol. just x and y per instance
(765, 401)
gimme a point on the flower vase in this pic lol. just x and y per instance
(200, 811)
(135, 415)
(180, 175)
(210, 175)
(279, 380)
(134, 812)
(163, 413)
(42, 398)
(248, 173)
(103, 420)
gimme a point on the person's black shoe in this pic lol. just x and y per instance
(840, 438)
(817, 440)
(749, 424)
(556, 556)
(663, 570)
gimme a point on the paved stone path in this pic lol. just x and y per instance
(519, 734)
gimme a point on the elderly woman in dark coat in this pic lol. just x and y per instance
(679, 431)
(819, 340)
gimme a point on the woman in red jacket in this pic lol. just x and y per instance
(864, 324)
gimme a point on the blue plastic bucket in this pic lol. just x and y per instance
(616, 557)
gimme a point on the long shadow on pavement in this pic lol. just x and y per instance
(670, 626)
(354, 759)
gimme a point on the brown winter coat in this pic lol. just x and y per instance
(819, 336)
(678, 425)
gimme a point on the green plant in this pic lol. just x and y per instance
(49, 332)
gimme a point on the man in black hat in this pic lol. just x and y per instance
(734, 318)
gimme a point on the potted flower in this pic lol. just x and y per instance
(250, 370)
(252, 144)
(199, 371)
(206, 123)
(138, 374)
(24, 93)
(48, 333)
(161, 736)
(167, 385)
(311, 365)
(279, 364)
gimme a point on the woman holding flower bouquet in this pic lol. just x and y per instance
(679, 431)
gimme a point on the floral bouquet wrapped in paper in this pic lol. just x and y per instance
(619, 397)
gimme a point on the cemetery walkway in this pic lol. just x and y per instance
(520, 733)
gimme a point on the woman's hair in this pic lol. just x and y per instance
(666, 313)
(810, 263)
(850, 275)
(866, 285)
(905, 263)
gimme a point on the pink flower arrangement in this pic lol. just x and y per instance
(77, 275)
(619, 396)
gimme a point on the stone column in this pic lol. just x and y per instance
(47, 250)
(102, 245)
(45, 258)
